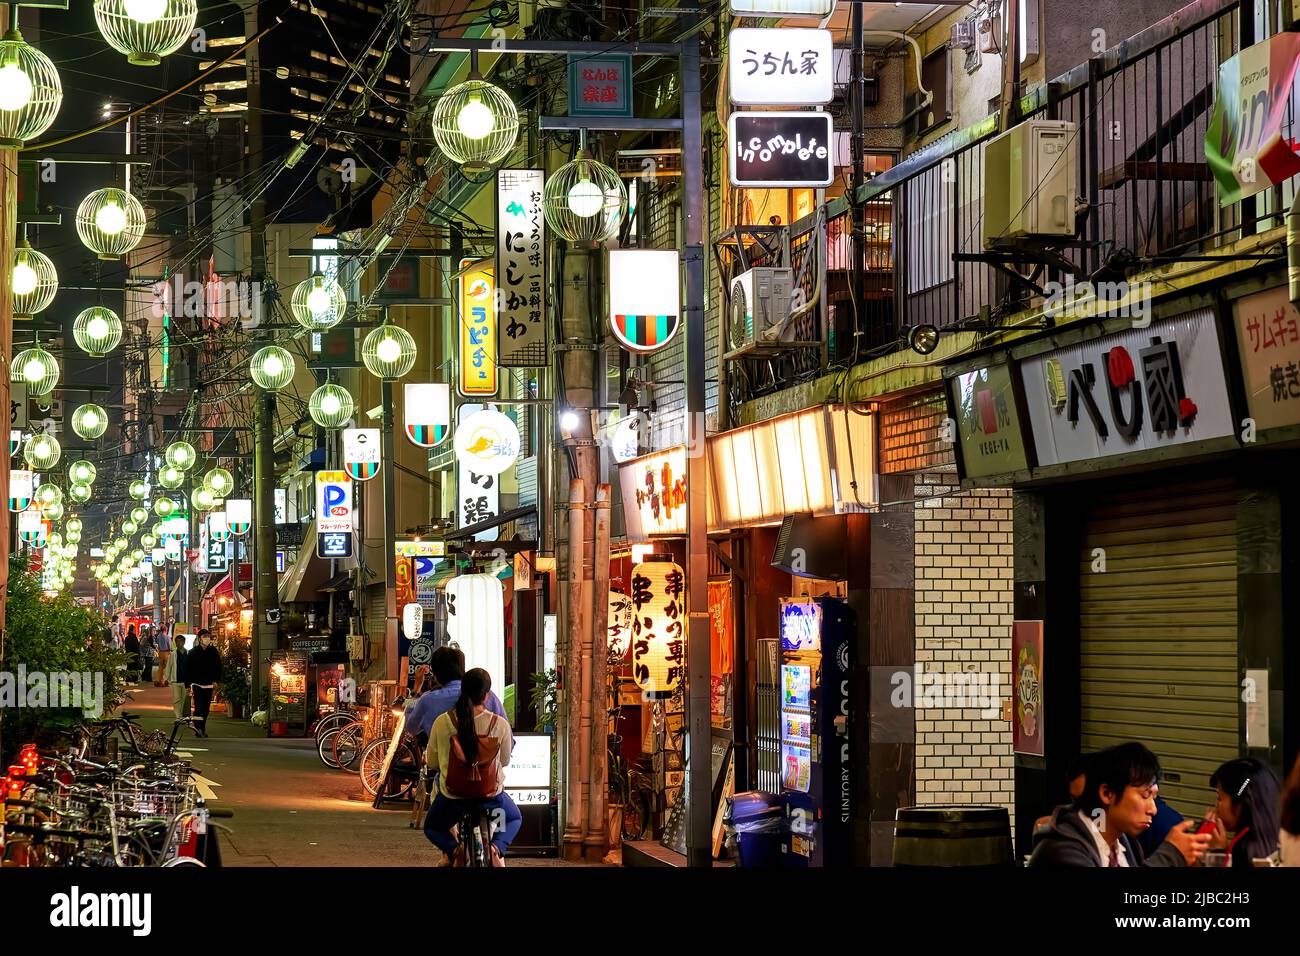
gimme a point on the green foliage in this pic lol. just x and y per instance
(51, 634)
(545, 701)
(235, 677)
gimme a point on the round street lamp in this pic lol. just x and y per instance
(584, 202)
(42, 452)
(318, 303)
(272, 368)
(388, 352)
(30, 91)
(180, 454)
(219, 482)
(139, 514)
(146, 30)
(89, 421)
(204, 500)
(138, 490)
(37, 369)
(171, 477)
(163, 507)
(330, 406)
(82, 472)
(110, 222)
(35, 281)
(97, 331)
(475, 124)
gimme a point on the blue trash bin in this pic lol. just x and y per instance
(757, 821)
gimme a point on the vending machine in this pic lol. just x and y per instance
(816, 765)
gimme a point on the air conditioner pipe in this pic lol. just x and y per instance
(1293, 249)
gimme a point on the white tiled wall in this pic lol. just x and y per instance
(963, 622)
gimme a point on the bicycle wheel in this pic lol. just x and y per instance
(334, 721)
(400, 782)
(347, 744)
(325, 749)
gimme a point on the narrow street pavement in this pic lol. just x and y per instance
(290, 810)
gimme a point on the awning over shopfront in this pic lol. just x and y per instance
(496, 521)
(340, 582)
(303, 580)
(821, 461)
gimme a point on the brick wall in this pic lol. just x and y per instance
(963, 623)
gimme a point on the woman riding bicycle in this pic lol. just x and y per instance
(469, 745)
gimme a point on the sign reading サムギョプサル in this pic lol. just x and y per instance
(1140, 390)
(1268, 341)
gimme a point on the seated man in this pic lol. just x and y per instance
(470, 746)
(1118, 802)
(448, 665)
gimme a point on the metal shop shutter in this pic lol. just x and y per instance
(1158, 632)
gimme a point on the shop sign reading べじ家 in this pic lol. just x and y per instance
(1140, 390)
(1268, 338)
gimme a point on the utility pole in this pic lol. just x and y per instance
(8, 238)
(390, 521)
(266, 590)
(857, 145)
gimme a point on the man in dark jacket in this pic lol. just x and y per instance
(203, 672)
(1101, 827)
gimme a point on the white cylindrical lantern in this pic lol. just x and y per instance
(413, 621)
(658, 628)
(476, 623)
(620, 625)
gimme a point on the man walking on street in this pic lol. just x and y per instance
(176, 676)
(203, 672)
(164, 642)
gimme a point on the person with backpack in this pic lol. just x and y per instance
(470, 745)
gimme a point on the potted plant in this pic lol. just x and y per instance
(620, 789)
(234, 690)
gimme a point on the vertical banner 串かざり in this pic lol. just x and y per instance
(521, 269)
(1027, 686)
(478, 330)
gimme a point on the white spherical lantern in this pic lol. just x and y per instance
(37, 369)
(42, 452)
(272, 368)
(180, 454)
(110, 222)
(35, 281)
(388, 352)
(475, 124)
(330, 406)
(146, 30)
(30, 91)
(318, 303)
(585, 201)
(97, 331)
(89, 421)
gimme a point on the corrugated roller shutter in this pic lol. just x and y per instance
(376, 612)
(1158, 632)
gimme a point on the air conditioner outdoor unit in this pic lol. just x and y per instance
(1030, 175)
(760, 305)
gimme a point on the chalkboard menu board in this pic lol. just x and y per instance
(782, 149)
(288, 688)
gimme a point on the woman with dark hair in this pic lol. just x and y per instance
(1289, 838)
(1248, 805)
(469, 745)
(131, 644)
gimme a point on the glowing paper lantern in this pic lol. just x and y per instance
(658, 628)
(620, 625)
(413, 621)
(239, 515)
(180, 454)
(476, 622)
(487, 442)
(89, 421)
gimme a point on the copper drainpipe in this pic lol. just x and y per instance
(571, 685)
(597, 824)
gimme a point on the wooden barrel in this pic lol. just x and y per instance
(952, 836)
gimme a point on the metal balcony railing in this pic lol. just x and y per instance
(1145, 191)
